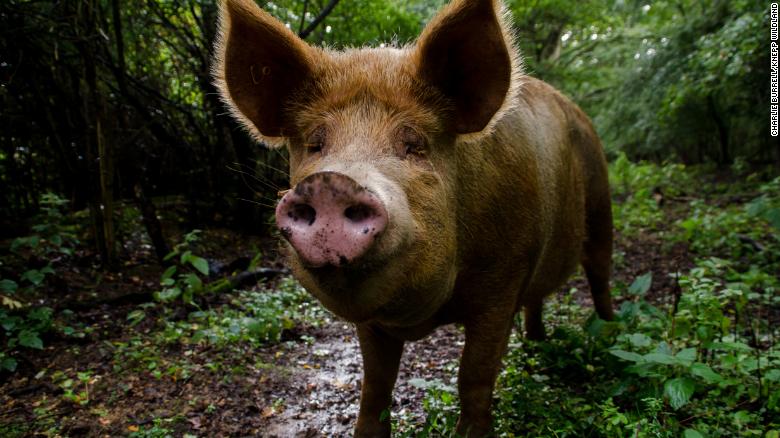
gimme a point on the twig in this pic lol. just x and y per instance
(318, 19)
(677, 291)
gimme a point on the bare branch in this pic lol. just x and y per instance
(318, 19)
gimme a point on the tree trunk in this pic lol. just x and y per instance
(723, 132)
(151, 223)
(98, 151)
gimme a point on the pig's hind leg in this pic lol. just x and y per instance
(597, 253)
(532, 319)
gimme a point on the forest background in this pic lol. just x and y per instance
(115, 152)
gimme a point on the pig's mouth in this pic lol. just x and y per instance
(343, 271)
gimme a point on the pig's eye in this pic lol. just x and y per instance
(316, 141)
(411, 143)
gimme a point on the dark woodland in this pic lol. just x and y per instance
(143, 294)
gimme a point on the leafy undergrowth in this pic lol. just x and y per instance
(693, 351)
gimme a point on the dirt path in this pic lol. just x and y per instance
(320, 382)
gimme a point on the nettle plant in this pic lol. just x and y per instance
(51, 234)
(22, 329)
(51, 239)
(184, 279)
(706, 351)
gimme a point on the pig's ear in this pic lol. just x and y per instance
(466, 53)
(260, 65)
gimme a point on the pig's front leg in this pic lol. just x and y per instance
(381, 356)
(486, 340)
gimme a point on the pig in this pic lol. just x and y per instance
(431, 184)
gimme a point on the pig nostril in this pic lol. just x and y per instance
(303, 212)
(359, 213)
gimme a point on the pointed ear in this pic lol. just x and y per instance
(464, 54)
(260, 64)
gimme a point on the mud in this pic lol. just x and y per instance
(321, 395)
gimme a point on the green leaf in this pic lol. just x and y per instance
(704, 371)
(639, 340)
(19, 241)
(8, 286)
(31, 242)
(200, 264)
(687, 355)
(30, 339)
(661, 358)
(168, 273)
(772, 375)
(9, 323)
(42, 314)
(641, 284)
(679, 391)
(193, 282)
(595, 326)
(185, 257)
(8, 363)
(56, 240)
(169, 294)
(136, 316)
(692, 433)
(34, 276)
(627, 355)
(773, 216)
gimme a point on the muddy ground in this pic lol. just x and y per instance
(308, 385)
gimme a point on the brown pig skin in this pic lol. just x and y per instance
(494, 185)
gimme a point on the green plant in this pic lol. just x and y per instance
(441, 404)
(158, 429)
(701, 357)
(745, 234)
(256, 317)
(22, 328)
(767, 205)
(639, 189)
(185, 278)
(52, 235)
(75, 390)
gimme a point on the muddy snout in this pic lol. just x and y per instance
(329, 219)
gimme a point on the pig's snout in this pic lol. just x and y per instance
(328, 218)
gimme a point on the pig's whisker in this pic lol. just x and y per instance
(244, 174)
(268, 166)
(256, 203)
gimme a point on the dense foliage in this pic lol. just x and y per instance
(662, 80)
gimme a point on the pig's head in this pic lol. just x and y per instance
(375, 136)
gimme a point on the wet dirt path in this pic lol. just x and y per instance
(317, 384)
